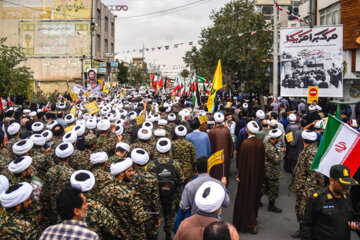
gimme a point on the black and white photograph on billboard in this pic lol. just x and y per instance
(311, 57)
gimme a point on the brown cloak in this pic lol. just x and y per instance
(220, 138)
(251, 174)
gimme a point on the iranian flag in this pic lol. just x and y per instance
(339, 145)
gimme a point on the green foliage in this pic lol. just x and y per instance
(244, 59)
(14, 78)
(136, 75)
(122, 75)
(184, 73)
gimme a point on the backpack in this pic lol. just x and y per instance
(166, 176)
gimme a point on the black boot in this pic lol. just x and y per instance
(272, 208)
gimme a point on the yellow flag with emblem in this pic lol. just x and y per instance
(215, 159)
(216, 85)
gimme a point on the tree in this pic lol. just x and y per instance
(244, 59)
(184, 73)
(14, 79)
(136, 75)
(122, 75)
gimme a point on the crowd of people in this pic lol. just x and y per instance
(141, 161)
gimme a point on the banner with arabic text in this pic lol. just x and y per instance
(311, 57)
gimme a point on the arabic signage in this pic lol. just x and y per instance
(311, 57)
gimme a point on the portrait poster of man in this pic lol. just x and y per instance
(91, 77)
(311, 57)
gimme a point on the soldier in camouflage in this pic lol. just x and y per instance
(121, 151)
(131, 128)
(98, 219)
(120, 198)
(170, 127)
(163, 146)
(55, 180)
(146, 188)
(14, 224)
(305, 181)
(13, 131)
(107, 139)
(273, 173)
(103, 178)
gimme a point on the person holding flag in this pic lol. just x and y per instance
(216, 85)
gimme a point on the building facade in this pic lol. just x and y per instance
(59, 38)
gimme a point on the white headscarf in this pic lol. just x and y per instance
(69, 118)
(163, 149)
(23, 146)
(64, 150)
(148, 124)
(209, 197)
(162, 122)
(253, 127)
(83, 186)
(120, 167)
(172, 117)
(160, 133)
(140, 156)
(51, 124)
(219, 117)
(123, 146)
(20, 195)
(38, 139)
(98, 157)
(91, 123)
(37, 127)
(144, 136)
(309, 135)
(181, 131)
(4, 183)
(21, 165)
(103, 125)
(13, 128)
(79, 130)
(47, 134)
(70, 137)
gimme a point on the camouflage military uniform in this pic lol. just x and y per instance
(156, 153)
(305, 181)
(107, 143)
(55, 180)
(111, 160)
(273, 173)
(5, 158)
(146, 188)
(41, 164)
(100, 220)
(131, 129)
(184, 152)
(14, 226)
(168, 211)
(170, 127)
(103, 179)
(80, 160)
(8, 146)
(120, 199)
(144, 145)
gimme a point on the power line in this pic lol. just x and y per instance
(163, 12)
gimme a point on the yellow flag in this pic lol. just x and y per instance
(216, 85)
(215, 159)
(289, 137)
(140, 119)
(203, 119)
(93, 107)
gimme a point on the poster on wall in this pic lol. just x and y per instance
(311, 57)
(352, 90)
(92, 77)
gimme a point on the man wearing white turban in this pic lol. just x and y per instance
(122, 150)
(250, 177)
(56, 178)
(99, 161)
(208, 198)
(146, 188)
(119, 199)
(144, 136)
(14, 224)
(220, 139)
(98, 219)
(20, 169)
(107, 140)
(165, 163)
(14, 133)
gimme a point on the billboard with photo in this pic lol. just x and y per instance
(91, 77)
(311, 57)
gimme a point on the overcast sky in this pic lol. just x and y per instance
(182, 26)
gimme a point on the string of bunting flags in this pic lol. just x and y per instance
(199, 42)
(290, 13)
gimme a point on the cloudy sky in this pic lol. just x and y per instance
(154, 31)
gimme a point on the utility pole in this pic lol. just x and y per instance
(275, 55)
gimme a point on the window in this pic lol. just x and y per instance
(106, 24)
(112, 47)
(106, 45)
(97, 42)
(330, 15)
(294, 8)
(98, 15)
(112, 29)
(268, 12)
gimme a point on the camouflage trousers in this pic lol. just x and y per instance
(300, 206)
(270, 188)
(177, 199)
(169, 216)
(151, 231)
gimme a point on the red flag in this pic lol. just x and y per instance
(1, 106)
(161, 83)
